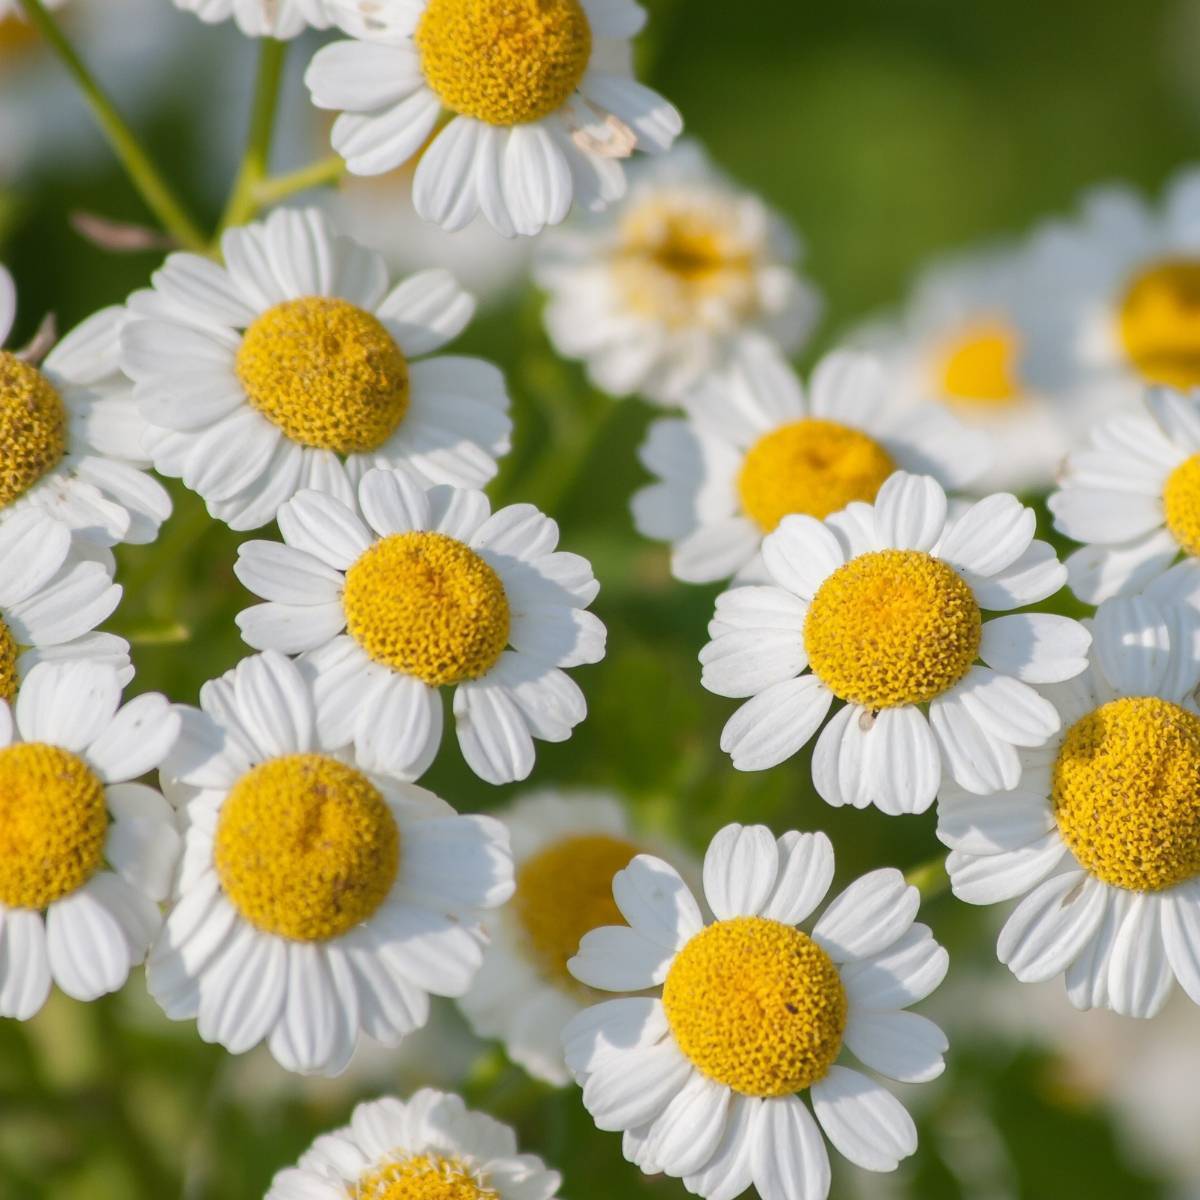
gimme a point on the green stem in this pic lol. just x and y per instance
(930, 878)
(142, 172)
(243, 201)
(325, 170)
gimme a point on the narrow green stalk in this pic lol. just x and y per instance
(243, 202)
(325, 170)
(930, 878)
(143, 174)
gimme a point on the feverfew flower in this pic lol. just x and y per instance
(704, 1076)
(655, 294)
(282, 19)
(542, 105)
(882, 607)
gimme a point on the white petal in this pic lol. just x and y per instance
(776, 723)
(864, 1120)
(24, 965)
(903, 974)
(991, 535)
(1180, 917)
(1035, 647)
(1050, 927)
(866, 918)
(656, 902)
(88, 953)
(740, 869)
(615, 958)
(992, 878)
(685, 1135)
(67, 704)
(801, 554)
(910, 512)
(901, 1045)
(805, 873)
(137, 740)
(1139, 976)
(790, 1159)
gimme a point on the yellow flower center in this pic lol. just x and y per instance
(506, 62)
(53, 824)
(892, 627)
(306, 847)
(978, 369)
(9, 652)
(16, 36)
(1126, 793)
(1181, 504)
(757, 1006)
(1159, 322)
(427, 605)
(325, 372)
(565, 891)
(33, 427)
(811, 466)
(423, 1177)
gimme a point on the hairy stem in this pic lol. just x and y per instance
(326, 170)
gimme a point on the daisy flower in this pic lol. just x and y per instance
(71, 435)
(404, 592)
(306, 941)
(1110, 302)
(754, 448)
(704, 1077)
(429, 1146)
(957, 342)
(542, 105)
(282, 19)
(567, 846)
(1131, 494)
(86, 855)
(654, 296)
(882, 607)
(1101, 835)
(294, 366)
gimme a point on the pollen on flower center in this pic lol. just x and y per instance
(53, 824)
(1126, 793)
(424, 1177)
(8, 663)
(325, 372)
(1159, 322)
(892, 627)
(756, 1005)
(506, 62)
(565, 891)
(428, 605)
(811, 466)
(306, 847)
(33, 427)
(978, 369)
(1181, 504)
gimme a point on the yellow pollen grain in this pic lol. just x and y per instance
(1181, 504)
(1159, 322)
(306, 847)
(811, 466)
(506, 62)
(325, 372)
(33, 427)
(978, 369)
(757, 1006)
(53, 824)
(423, 1177)
(892, 627)
(9, 653)
(565, 891)
(1126, 793)
(427, 605)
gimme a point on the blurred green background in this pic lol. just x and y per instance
(887, 130)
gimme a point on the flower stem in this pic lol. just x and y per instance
(929, 878)
(144, 175)
(325, 170)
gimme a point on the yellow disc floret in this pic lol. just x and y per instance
(978, 369)
(811, 466)
(892, 627)
(325, 372)
(756, 1005)
(1181, 504)
(33, 427)
(1126, 793)
(9, 652)
(427, 605)
(306, 847)
(53, 823)
(565, 891)
(1159, 322)
(506, 62)
(424, 1177)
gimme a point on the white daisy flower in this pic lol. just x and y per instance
(754, 448)
(431, 1146)
(882, 607)
(86, 855)
(411, 591)
(567, 846)
(542, 100)
(1102, 832)
(282, 19)
(316, 901)
(655, 295)
(704, 1077)
(957, 342)
(293, 366)
(1110, 300)
(71, 435)
(1131, 494)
